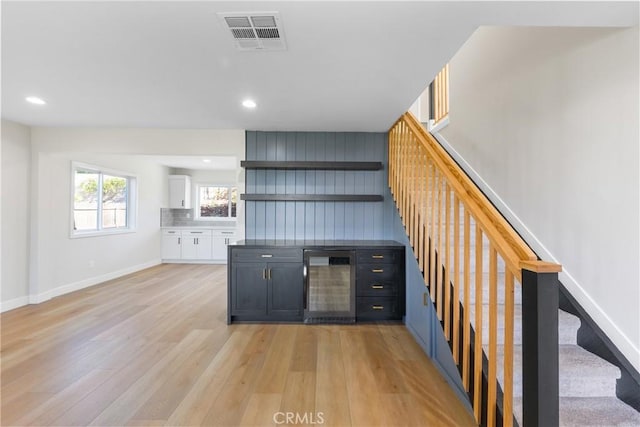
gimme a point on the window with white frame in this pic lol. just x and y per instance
(216, 201)
(103, 200)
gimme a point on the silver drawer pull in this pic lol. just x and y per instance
(377, 256)
(377, 307)
(266, 256)
(196, 232)
(377, 270)
(377, 287)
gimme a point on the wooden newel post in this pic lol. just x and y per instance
(540, 384)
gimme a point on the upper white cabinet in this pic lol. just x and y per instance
(179, 192)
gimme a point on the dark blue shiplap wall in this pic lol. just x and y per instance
(317, 220)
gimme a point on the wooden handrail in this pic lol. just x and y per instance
(500, 232)
(431, 191)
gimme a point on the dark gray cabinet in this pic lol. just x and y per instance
(265, 285)
(380, 284)
(266, 282)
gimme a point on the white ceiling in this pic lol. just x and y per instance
(352, 66)
(196, 162)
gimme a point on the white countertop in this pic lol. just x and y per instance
(195, 227)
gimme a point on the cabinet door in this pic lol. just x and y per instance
(221, 241)
(219, 248)
(285, 290)
(204, 247)
(189, 247)
(249, 290)
(179, 192)
(171, 246)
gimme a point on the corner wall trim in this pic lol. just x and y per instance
(622, 342)
(91, 281)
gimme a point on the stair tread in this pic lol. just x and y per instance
(582, 374)
(575, 359)
(590, 411)
(596, 411)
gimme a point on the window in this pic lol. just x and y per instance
(216, 202)
(103, 201)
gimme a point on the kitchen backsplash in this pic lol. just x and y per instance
(184, 218)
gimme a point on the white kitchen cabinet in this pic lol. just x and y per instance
(197, 244)
(179, 192)
(221, 240)
(171, 244)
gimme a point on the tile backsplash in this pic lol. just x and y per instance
(184, 218)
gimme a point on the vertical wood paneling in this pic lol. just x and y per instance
(320, 147)
(290, 207)
(270, 219)
(349, 187)
(339, 218)
(315, 220)
(260, 185)
(250, 186)
(330, 187)
(300, 147)
(310, 188)
(359, 219)
(281, 187)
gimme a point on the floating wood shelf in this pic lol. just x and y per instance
(286, 165)
(312, 197)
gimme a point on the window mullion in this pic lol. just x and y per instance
(100, 181)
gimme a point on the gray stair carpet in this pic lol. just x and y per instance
(587, 382)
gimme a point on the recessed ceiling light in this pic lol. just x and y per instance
(35, 100)
(249, 103)
(206, 160)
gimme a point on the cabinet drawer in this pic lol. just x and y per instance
(171, 232)
(377, 272)
(224, 233)
(377, 308)
(266, 255)
(376, 288)
(197, 233)
(378, 256)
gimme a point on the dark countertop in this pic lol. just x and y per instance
(309, 244)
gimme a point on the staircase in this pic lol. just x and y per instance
(476, 269)
(587, 383)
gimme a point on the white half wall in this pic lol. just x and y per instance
(16, 166)
(549, 119)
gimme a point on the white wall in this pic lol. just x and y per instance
(59, 264)
(16, 161)
(549, 118)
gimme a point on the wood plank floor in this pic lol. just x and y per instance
(153, 348)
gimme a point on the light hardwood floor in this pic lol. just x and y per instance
(153, 348)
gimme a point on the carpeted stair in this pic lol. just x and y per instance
(587, 382)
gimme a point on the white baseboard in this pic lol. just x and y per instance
(619, 339)
(194, 261)
(14, 303)
(85, 283)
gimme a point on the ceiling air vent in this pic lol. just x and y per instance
(255, 31)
